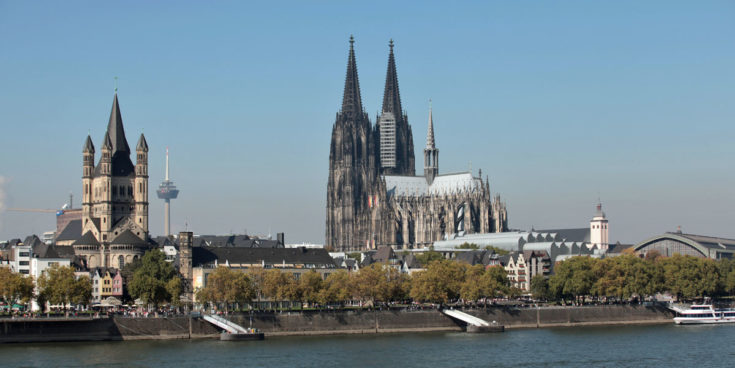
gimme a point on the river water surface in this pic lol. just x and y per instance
(610, 346)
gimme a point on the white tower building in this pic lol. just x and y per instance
(599, 231)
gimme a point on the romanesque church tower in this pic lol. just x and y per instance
(353, 187)
(395, 138)
(114, 199)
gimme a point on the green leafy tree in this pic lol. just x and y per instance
(278, 285)
(337, 288)
(480, 282)
(467, 245)
(310, 284)
(540, 288)
(574, 277)
(59, 285)
(15, 287)
(439, 283)
(150, 280)
(226, 286)
(368, 282)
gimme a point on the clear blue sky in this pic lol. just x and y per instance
(558, 101)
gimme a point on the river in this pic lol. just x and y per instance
(610, 346)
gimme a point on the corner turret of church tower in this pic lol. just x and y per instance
(140, 187)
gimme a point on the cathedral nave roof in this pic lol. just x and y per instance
(442, 184)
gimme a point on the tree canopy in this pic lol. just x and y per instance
(154, 280)
(59, 286)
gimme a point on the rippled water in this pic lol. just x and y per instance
(618, 346)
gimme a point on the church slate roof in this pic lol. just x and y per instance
(442, 184)
(88, 145)
(71, 231)
(206, 256)
(33, 241)
(127, 237)
(53, 251)
(115, 140)
(142, 144)
(87, 239)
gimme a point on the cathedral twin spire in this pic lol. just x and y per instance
(351, 101)
(392, 96)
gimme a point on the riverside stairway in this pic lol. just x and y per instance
(473, 323)
(233, 331)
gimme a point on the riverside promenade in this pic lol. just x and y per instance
(325, 322)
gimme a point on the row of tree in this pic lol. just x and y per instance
(150, 279)
(629, 276)
(442, 281)
(58, 285)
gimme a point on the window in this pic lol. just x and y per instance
(25, 272)
(120, 262)
(24, 254)
(23, 263)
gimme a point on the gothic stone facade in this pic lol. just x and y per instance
(373, 195)
(114, 199)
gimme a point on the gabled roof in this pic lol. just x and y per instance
(305, 256)
(384, 254)
(72, 231)
(33, 241)
(127, 237)
(87, 239)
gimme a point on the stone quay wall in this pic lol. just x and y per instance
(319, 323)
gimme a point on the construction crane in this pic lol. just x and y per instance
(31, 210)
(66, 206)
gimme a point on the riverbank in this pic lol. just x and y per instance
(321, 323)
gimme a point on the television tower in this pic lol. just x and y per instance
(167, 191)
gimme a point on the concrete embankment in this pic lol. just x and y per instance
(319, 323)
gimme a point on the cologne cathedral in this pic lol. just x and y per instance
(374, 197)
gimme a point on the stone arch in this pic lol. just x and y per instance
(92, 262)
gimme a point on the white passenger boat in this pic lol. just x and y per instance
(704, 314)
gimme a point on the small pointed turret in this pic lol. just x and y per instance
(142, 144)
(107, 142)
(430, 144)
(431, 153)
(392, 95)
(351, 100)
(88, 145)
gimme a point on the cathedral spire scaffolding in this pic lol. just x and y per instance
(392, 95)
(395, 137)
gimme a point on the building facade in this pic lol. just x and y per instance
(114, 199)
(373, 195)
